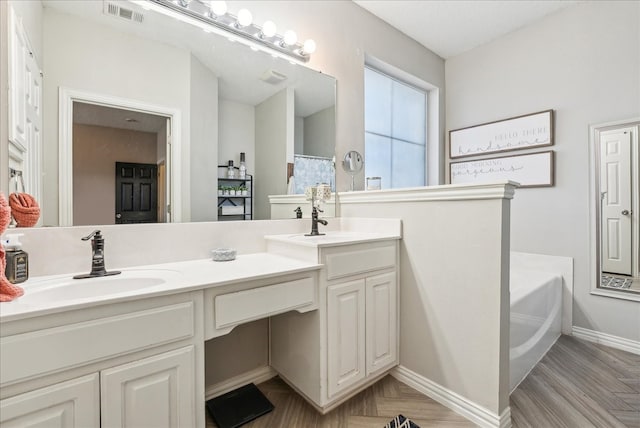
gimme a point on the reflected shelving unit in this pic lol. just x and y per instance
(234, 204)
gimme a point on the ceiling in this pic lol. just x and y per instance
(451, 27)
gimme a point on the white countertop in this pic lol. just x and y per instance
(332, 239)
(181, 277)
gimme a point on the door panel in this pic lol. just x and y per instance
(346, 335)
(70, 404)
(615, 177)
(154, 392)
(136, 193)
(381, 322)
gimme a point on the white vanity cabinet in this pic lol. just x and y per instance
(71, 404)
(130, 364)
(361, 333)
(331, 354)
(152, 392)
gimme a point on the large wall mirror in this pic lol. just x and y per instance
(129, 85)
(617, 205)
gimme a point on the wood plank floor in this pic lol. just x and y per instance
(577, 384)
(373, 407)
(580, 384)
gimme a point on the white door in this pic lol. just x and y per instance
(71, 404)
(154, 392)
(615, 185)
(346, 335)
(381, 322)
(25, 108)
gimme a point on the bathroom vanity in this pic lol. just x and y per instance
(129, 350)
(331, 354)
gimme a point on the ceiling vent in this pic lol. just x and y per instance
(273, 77)
(113, 9)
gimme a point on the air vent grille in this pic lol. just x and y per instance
(114, 10)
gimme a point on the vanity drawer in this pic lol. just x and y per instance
(49, 350)
(357, 259)
(224, 310)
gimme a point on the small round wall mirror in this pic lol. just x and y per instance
(352, 164)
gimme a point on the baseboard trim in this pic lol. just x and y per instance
(459, 404)
(606, 339)
(259, 375)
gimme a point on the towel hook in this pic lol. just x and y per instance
(17, 175)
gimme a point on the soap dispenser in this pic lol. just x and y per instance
(17, 269)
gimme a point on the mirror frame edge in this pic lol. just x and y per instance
(594, 218)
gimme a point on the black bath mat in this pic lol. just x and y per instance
(401, 422)
(239, 406)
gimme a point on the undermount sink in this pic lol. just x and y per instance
(67, 288)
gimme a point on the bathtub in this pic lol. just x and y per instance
(536, 318)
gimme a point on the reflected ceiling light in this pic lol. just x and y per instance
(290, 38)
(244, 18)
(268, 29)
(309, 47)
(212, 16)
(217, 8)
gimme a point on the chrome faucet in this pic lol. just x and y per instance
(97, 258)
(314, 222)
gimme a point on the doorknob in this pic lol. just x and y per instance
(120, 215)
(625, 212)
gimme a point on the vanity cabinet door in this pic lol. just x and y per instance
(382, 322)
(153, 392)
(346, 335)
(71, 404)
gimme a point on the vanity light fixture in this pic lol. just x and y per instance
(213, 16)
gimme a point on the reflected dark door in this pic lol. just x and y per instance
(136, 193)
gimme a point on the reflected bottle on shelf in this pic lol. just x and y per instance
(231, 172)
(242, 171)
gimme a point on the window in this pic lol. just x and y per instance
(395, 127)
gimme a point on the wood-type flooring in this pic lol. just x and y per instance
(578, 384)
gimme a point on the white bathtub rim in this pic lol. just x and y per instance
(556, 264)
(543, 278)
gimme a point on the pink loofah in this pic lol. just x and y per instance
(8, 291)
(25, 209)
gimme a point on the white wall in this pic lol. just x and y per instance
(298, 143)
(236, 133)
(583, 62)
(319, 132)
(204, 142)
(106, 68)
(271, 149)
(342, 46)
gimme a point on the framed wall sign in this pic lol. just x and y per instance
(521, 132)
(530, 170)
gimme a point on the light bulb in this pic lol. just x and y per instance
(218, 8)
(290, 37)
(244, 17)
(269, 29)
(309, 47)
